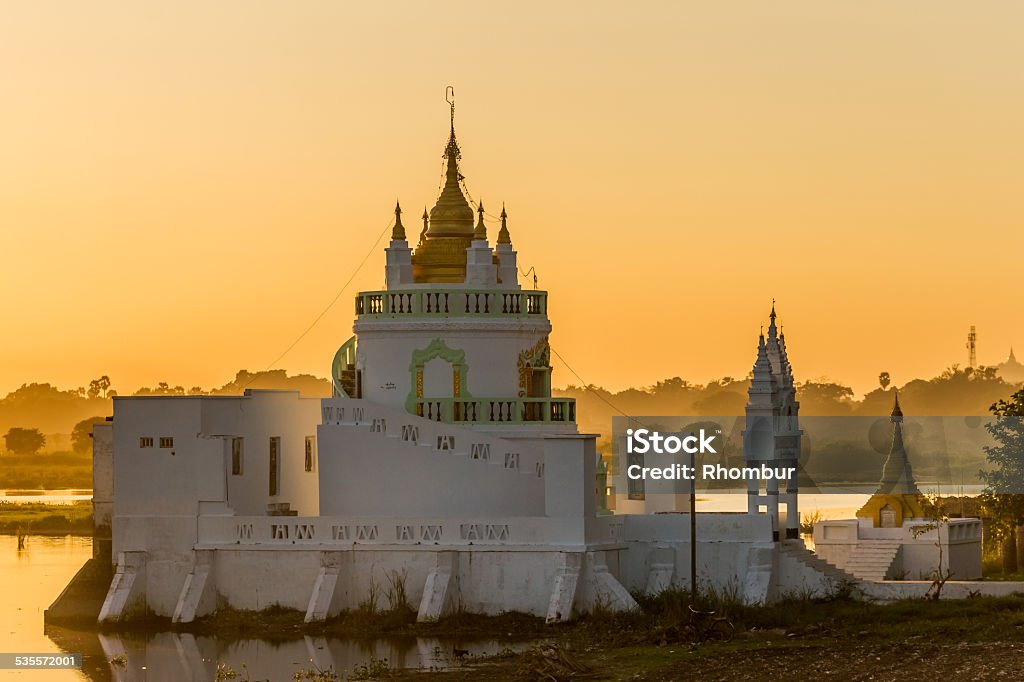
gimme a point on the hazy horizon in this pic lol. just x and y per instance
(184, 188)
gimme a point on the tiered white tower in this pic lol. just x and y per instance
(772, 435)
(453, 337)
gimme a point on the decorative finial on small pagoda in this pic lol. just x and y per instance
(773, 332)
(480, 233)
(897, 413)
(398, 232)
(503, 236)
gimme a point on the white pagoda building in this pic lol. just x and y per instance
(442, 461)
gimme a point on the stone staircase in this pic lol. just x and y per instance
(808, 558)
(871, 559)
(455, 440)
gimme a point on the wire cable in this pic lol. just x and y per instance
(330, 305)
(587, 387)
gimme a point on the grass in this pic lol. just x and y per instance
(35, 518)
(46, 471)
(629, 646)
(650, 644)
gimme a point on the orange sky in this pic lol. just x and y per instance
(185, 186)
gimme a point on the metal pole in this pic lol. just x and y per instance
(693, 526)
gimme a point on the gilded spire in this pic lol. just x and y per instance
(451, 151)
(398, 232)
(772, 329)
(503, 236)
(452, 215)
(426, 224)
(480, 233)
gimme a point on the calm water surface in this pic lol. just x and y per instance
(34, 576)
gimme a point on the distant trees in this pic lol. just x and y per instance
(884, 380)
(81, 440)
(24, 441)
(98, 387)
(824, 398)
(277, 379)
(162, 388)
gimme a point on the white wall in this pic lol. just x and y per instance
(492, 348)
(368, 469)
(164, 481)
(256, 418)
(102, 473)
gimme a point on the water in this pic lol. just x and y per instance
(45, 496)
(829, 506)
(33, 577)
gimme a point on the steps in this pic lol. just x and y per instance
(805, 556)
(422, 432)
(347, 381)
(871, 559)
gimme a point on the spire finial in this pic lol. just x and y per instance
(897, 413)
(481, 230)
(451, 152)
(503, 236)
(773, 331)
(398, 232)
(423, 233)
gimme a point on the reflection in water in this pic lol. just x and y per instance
(181, 657)
(32, 579)
(34, 576)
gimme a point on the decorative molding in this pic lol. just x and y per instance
(537, 356)
(437, 349)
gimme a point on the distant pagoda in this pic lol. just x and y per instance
(897, 498)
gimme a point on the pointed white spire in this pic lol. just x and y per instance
(773, 331)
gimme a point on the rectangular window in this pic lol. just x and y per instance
(145, 442)
(275, 469)
(166, 442)
(310, 453)
(236, 456)
(635, 487)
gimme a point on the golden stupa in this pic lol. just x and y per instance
(440, 255)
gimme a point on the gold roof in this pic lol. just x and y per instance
(441, 254)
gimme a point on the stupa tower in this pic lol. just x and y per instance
(453, 337)
(772, 434)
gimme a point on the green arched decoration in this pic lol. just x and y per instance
(436, 349)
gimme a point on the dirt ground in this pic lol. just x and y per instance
(803, 661)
